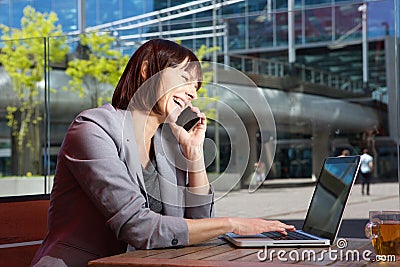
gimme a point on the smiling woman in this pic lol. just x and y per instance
(149, 60)
(128, 177)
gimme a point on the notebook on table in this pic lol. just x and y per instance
(324, 214)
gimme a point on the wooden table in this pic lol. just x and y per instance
(218, 252)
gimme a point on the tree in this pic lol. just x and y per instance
(22, 57)
(97, 67)
(204, 100)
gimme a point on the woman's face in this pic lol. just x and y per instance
(177, 89)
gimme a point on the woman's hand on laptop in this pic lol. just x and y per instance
(204, 229)
(248, 226)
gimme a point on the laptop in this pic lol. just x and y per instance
(325, 211)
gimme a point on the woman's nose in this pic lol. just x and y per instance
(192, 92)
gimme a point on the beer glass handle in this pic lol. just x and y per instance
(372, 230)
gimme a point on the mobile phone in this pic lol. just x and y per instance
(187, 119)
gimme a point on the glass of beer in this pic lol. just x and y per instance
(383, 229)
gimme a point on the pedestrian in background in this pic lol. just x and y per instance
(259, 171)
(366, 168)
(345, 153)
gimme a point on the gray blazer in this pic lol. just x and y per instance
(98, 205)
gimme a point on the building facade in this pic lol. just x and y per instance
(322, 65)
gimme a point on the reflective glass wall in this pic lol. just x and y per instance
(321, 101)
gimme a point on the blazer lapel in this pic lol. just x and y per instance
(171, 189)
(130, 151)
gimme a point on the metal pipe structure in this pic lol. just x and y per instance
(81, 16)
(291, 33)
(363, 9)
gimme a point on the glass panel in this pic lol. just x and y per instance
(15, 12)
(4, 13)
(261, 33)
(109, 11)
(67, 13)
(347, 22)
(281, 22)
(381, 24)
(22, 71)
(281, 5)
(237, 33)
(318, 24)
(136, 7)
(91, 13)
(257, 5)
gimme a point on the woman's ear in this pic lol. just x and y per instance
(144, 70)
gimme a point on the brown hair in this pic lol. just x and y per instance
(158, 54)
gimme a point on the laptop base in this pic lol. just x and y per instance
(262, 241)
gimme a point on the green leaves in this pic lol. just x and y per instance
(22, 57)
(204, 101)
(98, 70)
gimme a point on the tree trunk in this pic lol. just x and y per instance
(27, 159)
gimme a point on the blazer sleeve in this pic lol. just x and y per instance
(172, 167)
(90, 152)
(199, 206)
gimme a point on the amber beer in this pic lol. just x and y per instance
(383, 229)
(387, 241)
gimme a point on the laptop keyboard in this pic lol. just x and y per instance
(289, 236)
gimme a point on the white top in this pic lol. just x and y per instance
(365, 163)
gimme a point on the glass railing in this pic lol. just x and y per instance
(45, 83)
(24, 115)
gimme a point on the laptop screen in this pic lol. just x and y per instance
(330, 196)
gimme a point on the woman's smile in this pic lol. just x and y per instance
(180, 103)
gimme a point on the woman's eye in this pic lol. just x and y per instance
(185, 78)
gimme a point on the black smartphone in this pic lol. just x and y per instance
(187, 119)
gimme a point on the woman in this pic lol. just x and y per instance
(128, 175)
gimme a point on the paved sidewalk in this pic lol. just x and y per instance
(292, 202)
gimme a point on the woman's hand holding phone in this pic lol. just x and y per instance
(189, 130)
(188, 119)
(190, 134)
